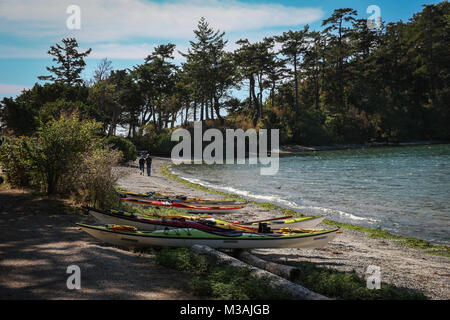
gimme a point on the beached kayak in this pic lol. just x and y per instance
(187, 237)
(211, 208)
(148, 223)
(179, 199)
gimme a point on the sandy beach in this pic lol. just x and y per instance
(36, 247)
(400, 265)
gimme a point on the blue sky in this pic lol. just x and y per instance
(125, 31)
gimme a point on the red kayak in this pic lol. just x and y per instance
(184, 206)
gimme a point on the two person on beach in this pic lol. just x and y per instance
(146, 161)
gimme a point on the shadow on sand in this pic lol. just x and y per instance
(39, 240)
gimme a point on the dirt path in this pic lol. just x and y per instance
(39, 240)
(352, 250)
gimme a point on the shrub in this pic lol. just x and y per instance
(60, 147)
(15, 160)
(157, 142)
(96, 178)
(128, 149)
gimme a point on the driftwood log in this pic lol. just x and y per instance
(294, 290)
(279, 269)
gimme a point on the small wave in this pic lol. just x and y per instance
(279, 200)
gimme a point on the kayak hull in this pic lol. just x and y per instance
(152, 225)
(190, 237)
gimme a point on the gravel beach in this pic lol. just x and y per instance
(400, 265)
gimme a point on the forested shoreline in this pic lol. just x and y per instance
(345, 84)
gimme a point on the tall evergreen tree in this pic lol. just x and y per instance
(293, 46)
(70, 62)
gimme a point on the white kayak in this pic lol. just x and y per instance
(188, 237)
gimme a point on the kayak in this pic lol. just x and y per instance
(162, 196)
(188, 237)
(148, 223)
(185, 206)
(178, 198)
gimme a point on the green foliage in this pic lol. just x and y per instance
(94, 178)
(182, 259)
(154, 141)
(60, 146)
(215, 281)
(15, 162)
(128, 149)
(348, 285)
(70, 62)
(24, 114)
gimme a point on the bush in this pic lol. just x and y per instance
(60, 147)
(96, 178)
(128, 149)
(66, 156)
(15, 160)
(157, 142)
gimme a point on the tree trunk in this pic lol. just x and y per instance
(195, 111)
(296, 82)
(294, 290)
(201, 111)
(255, 101)
(279, 269)
(217, 109)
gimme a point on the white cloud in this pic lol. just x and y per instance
(120, 20)
(11, 89)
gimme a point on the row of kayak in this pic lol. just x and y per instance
(134, 230)
(190, 205)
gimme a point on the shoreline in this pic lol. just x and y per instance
(298, 149)
(286, 209)
(400, 265)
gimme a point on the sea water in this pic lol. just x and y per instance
(404, 190)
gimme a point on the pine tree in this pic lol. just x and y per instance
(70, 62)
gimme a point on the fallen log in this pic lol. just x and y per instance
(276, 268)
(294, 290)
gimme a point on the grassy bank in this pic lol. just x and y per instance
(214, 281)
(429, 248)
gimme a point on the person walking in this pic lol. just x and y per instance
(142, 165)
(148, 161)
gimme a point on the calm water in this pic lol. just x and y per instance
(405, 190)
